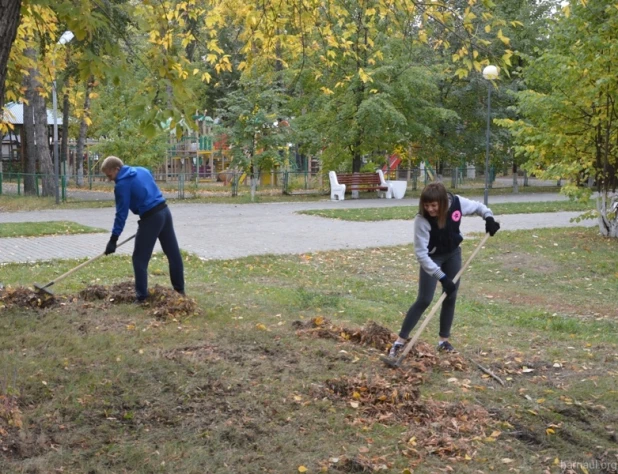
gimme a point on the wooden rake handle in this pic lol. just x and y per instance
(433, 311)
(87, 262)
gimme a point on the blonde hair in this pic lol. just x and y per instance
(435, 192)
(110, 163)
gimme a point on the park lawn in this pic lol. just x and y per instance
(241, 387)
(37, 229)
(408, 212)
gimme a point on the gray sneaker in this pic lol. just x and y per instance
(396, 348)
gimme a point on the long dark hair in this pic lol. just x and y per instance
(435, 192)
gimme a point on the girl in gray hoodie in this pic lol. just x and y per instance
(436, 243)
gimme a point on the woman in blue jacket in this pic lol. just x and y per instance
(136, 190)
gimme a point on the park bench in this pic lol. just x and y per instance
(365, 182)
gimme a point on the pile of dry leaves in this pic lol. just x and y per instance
(421, 358)
(163, 303)
(22, 297)
(372, 334)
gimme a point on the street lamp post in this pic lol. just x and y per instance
(490, 73)
(64, 39)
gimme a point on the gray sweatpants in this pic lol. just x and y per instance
(450, 264)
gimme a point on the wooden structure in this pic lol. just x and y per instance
(361, 182)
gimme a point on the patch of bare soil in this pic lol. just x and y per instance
(163, 303)
(10, 425)
(550, 303)
(196, 353)
(523, 260)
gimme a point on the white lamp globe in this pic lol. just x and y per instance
(490, 72)
(66, 37)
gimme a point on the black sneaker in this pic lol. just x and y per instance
(396, 348)
(445, 346)
(139, 302)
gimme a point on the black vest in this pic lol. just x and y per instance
(446, 240)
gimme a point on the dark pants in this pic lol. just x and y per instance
(450, 264)
(157, 226)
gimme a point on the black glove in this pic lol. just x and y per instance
(491, 226)
(447, 285)
(111, 245)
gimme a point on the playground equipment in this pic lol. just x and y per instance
(428, 171)
(196, 152)
(393, 163)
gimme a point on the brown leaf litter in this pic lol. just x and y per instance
(448, 430)
(421, 357)
(163, 303)
(22, 297)
(372, 334)
(10, 422)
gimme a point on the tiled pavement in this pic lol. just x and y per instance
(223, 231)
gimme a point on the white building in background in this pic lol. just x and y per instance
(13, 113)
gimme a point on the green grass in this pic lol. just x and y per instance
(9, 203)
(107, 388)
(36, 229)
(408, 212)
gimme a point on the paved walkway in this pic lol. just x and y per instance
(224, 231)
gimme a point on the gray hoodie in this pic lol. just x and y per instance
(422, 227)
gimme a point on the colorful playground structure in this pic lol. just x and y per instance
(197, 152)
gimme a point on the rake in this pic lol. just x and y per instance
(45, 288)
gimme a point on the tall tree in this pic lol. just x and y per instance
(257, 139)
(9, 21)
(37, 131)
(82, 136)
(568, 126)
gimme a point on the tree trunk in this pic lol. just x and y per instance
(30, 142)
(30, 83)
(64, 143)
(41, 132)
(608, 215)
(9, 21)
(83, 130)
(38, 136)
(515, 183)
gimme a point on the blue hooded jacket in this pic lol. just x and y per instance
(136, 190)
